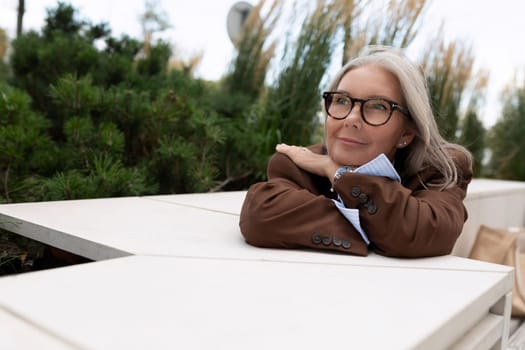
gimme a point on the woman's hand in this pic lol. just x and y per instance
(319, 164)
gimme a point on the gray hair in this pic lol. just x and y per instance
(429, 148)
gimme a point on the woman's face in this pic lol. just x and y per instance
(353, 142)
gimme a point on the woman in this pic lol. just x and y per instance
(384, 179)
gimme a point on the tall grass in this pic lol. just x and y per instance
(290, 109)
(396, 25)
(247, 73)
(448, 68)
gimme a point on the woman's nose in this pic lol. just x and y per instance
(354, 118)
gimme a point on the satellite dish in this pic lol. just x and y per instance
(236, 18)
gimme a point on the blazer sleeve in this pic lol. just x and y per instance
(287, 211)
(403, 222)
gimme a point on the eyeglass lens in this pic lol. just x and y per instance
(374, 111)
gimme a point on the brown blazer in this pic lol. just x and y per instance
(294, 209)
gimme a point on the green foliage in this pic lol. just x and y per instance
(448, 69)
(62, 19)
(74, 96)
(115, 62)
(102, 177)
(506, 140)
(24, 146)
(189, 136)
(38, 63)
(66, 46)
(290, 112)
(109, 122)
(4, 69)
(155, 62)
(473, 138)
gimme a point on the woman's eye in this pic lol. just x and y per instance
(377, 106)
(342, 101)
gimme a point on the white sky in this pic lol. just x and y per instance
(495, 30)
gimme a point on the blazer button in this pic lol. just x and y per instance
(327, 240)
(372, 208)
(356, 191)
(346, 244)
(316, 238)
(337, 241)
(363, 198)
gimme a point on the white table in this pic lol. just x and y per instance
(107, 228)
(114, 227)
(196, 303)
(191, 264)
(223, 202)
(17, 333)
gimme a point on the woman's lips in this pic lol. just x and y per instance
(351, 141)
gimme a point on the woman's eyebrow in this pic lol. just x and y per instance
(383, 97)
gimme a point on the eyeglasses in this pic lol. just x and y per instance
(374, 111)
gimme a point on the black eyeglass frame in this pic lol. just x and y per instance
(328, 96)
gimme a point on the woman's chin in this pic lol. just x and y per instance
(349, 161)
